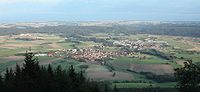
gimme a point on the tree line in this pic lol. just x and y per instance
(177, 29)
(31, 77)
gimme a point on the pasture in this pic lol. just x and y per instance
(123, 70)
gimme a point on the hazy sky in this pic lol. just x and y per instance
(86, 10)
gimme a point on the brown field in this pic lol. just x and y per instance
(104, 75)
(11, 43)
(180, 62)
(98, 72)
(47, 62)
(159, 69)
(194, 49)
(54, 46)
(14, 58)
(14, 46)
(10, 58)
(195, 45)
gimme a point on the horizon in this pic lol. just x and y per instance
(107, 21)
(99, 45)
(98, 10)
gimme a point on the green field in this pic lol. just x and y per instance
(120, 65)
(4, 66)
(145, 85)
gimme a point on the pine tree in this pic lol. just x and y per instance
(31, 65)
(72, 74)
(96, 88)
(30, 73)
(9, 80)
(1, 83)
(50, 79)
(115, 89)
(72, 79)
(106, 88)
(34, 78)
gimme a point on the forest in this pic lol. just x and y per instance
(179, 29)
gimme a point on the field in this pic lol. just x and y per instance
(123, 71)
(145, 85)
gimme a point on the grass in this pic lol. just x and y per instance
(137, 37)
(145, 85)
(86, 44)
(96, 68)
(134, 85)
(193, 57)
(66, 63)
(175, 43)
(98, 35)
(45, 58)
(151, 60)
(166, 85)
(3, 66)
(120, 64)
(124, 62)
(40, 48)
(111, 49)
(67, 45)
(10, 52)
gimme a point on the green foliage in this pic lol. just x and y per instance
(1, 83)
(34, 78)
(180, 29)
(115, 89)
(157, 53)
(188, 77)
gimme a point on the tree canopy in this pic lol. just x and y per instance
(188, 77)
(31, 77)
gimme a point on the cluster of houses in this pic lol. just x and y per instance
(27, 36)
(97, 53)
(142, 44)
(91, 54)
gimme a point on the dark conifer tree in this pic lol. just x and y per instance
(115, 89)
(106, 88)
(9, 80)
(34, 78)
(1, 83)
(96, 88)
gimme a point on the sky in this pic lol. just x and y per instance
(97, 10)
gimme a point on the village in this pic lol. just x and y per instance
(97, 53)
(148, 43)
(90, 55)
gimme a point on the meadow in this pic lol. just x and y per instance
(122, 71)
